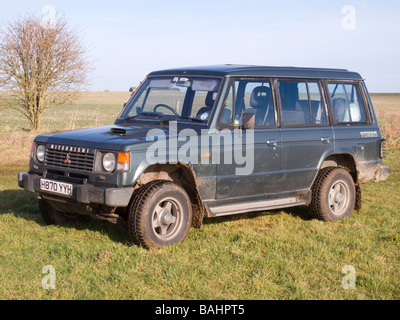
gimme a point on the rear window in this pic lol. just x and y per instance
(302, 103)
(347, 104)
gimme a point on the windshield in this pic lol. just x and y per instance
(178, 98)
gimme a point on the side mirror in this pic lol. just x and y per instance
(248, 120)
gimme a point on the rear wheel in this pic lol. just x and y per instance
(159, 215)
(333, 194)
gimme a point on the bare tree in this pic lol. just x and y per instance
(41, 65)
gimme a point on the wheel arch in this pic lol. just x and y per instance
(345, 160)
(182, 174)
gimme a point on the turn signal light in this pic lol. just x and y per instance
(123, 161)
(32, 149)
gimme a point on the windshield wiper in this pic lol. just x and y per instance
(149, 114)
(182, 118)
(157, 115)
(190, 119)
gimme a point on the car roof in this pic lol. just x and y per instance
(257, 71)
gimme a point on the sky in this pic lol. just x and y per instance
(129, 39)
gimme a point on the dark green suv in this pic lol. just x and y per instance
(209, 141)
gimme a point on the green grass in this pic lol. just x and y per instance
(271, 255)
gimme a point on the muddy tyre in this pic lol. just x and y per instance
(51, 215)
(160, 214)
(333, 194)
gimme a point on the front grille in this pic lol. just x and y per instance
(69, 157)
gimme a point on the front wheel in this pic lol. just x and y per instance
(159, 215)
(333, 194)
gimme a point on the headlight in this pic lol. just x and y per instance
(109, 162)
(40, 152)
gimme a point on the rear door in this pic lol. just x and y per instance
(306, 136)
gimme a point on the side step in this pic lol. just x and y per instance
(255, 206)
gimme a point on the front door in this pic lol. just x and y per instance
(254, 172)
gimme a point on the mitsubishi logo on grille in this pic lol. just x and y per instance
(67, 161)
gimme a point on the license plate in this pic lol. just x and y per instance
(56, 187)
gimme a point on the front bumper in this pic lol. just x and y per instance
(82, 193)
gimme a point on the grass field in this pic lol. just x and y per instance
(271, 255)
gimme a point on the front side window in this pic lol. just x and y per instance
(347, 104)
(178, 98)
(302, 103)
(251, 97)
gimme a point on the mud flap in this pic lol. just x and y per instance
(358, 202)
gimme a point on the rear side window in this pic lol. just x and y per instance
(302, 103)
(347, 104)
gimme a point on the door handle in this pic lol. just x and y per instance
(325, 140)
(272, 142)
